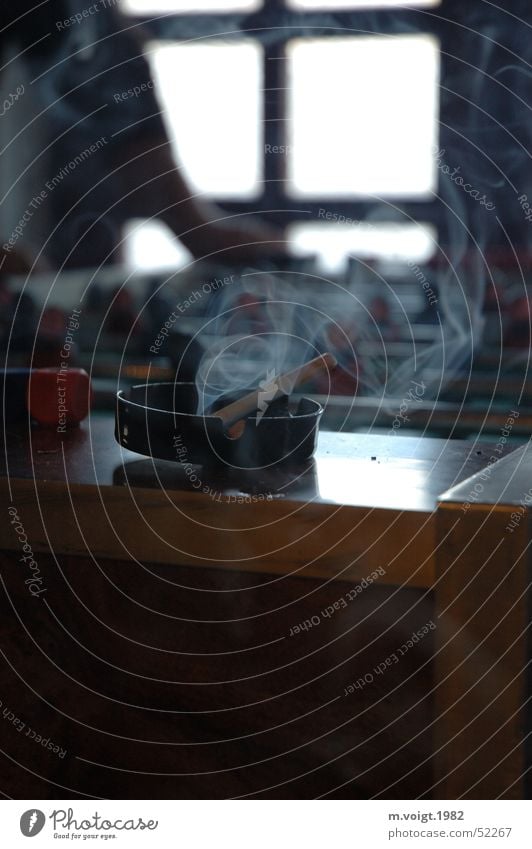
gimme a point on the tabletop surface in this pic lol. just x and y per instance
(387, 472)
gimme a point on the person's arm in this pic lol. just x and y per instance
(152, 185)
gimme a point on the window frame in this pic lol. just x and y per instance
(273, 202)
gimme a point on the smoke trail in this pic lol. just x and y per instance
(264, 325)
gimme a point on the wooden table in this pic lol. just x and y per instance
(205, 634)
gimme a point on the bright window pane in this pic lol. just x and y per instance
(149, 7)
(363, 115)
(211, 97)
(151, 246)
(334, 243)
(361, 4)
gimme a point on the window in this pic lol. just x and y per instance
(399, 242)
(362, 118)
(304, 104)
(215, 118)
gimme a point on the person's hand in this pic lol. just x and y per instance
(153, 187)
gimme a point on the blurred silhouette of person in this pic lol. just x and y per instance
(107, 151)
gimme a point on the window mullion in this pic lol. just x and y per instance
(274, 126)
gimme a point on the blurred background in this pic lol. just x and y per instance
(364, 162)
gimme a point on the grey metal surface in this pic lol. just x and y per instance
(507, 481)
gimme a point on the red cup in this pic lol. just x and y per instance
(59, 397)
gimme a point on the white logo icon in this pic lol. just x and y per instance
(267, 392)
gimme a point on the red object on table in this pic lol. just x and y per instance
(59, 397)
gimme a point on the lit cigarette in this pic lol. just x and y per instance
(282, 385)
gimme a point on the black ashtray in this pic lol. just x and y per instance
(160, 420)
